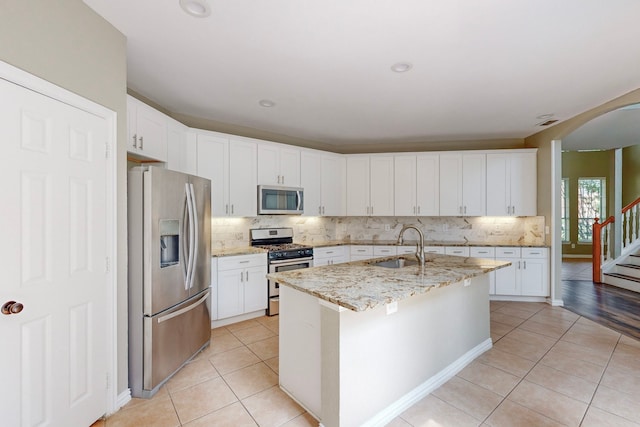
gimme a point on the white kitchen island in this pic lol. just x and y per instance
(360, 343)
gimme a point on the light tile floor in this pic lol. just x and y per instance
(548, 367)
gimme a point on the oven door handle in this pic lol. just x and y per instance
(291, 261)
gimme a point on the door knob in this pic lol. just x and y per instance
(11, 307)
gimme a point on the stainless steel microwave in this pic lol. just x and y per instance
(276, 200)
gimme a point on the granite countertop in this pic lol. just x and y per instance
(242, 250)
(361, 286)
(248, 250)
(414, 242)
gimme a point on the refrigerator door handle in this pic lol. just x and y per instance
(183, 310)
(184, 241)
(190, 230)
(194, 233)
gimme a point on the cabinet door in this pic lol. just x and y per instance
(243, 180)
(230, 293)
(334, 185)
(255, 289)
(181, 149)
(404, 173)
(474, 184)
(132, 135)
(381, 185)
(523, 184)
(319, 262)
(450, 184)
(428, 185)
(310, 180)
(213, 163)
(151, 127)
(507, 278)
(533, 277)
(290, 167)
(358, 186)
(268, 164)
(498, 189)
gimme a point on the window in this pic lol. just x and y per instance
(591, 205)
(564, 206)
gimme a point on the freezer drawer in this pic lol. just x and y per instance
(172, 337)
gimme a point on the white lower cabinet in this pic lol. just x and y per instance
(457, 250)
(330, 255)
(487, 253)
(527, 274)
(241, 285)
(360, 252)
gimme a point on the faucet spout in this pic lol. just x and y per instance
(419, 246)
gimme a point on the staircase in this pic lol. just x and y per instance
(625, 273)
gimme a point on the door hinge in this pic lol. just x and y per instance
(107, 265)
(107, 150)
(108, 381)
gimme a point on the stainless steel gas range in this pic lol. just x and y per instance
(283, 255)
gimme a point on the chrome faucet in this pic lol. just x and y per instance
(419, 246)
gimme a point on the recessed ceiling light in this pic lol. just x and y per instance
(266, 103)
(544, 116)
(197, 8)
(401, 67)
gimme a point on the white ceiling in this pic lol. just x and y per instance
(481, 69)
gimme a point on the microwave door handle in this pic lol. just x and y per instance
(194, 233)
(299, 198)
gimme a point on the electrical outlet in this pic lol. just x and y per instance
(573, 246)
(387, 227)
(392, 307)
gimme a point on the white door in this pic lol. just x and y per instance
(334, 186)
(310, 180)
(243, 178)
(381, 186)
(53, 184)
(358, 186)
(450, 184)
(404, 180)
(428, 184)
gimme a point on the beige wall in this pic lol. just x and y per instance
(66, 43)
(595, 164)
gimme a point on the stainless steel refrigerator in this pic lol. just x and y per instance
(169, 216)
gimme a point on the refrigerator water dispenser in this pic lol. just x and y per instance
(169, 242)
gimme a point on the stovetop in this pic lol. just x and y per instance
(279, 243)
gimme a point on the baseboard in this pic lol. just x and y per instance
(555, 302)
(123, 399)
(399, 406)
(236, 319)
(516, 298)
(577, 256)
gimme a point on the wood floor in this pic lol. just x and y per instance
(616, 308)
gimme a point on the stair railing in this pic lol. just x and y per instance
(603, 236)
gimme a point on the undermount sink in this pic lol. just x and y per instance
(396, 263)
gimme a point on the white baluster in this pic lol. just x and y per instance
(634, 223)
(625, 226)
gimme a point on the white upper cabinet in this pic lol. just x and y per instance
(462, 184)
(416, 184)
(146, 130)
(213, 163)
(511, 184)
(231, 166)
(278, 165)
(323, 178)
(243, 179)
(182, 153)
(370, 186)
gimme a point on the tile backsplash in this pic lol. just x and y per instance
(234, 232)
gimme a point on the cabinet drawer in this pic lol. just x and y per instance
(457, 251)
(534, 252)
(507, 252)
(480, 252)
(332, 251)
(434, 250)
(362, 250)
(384, 250)
(244, 261)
